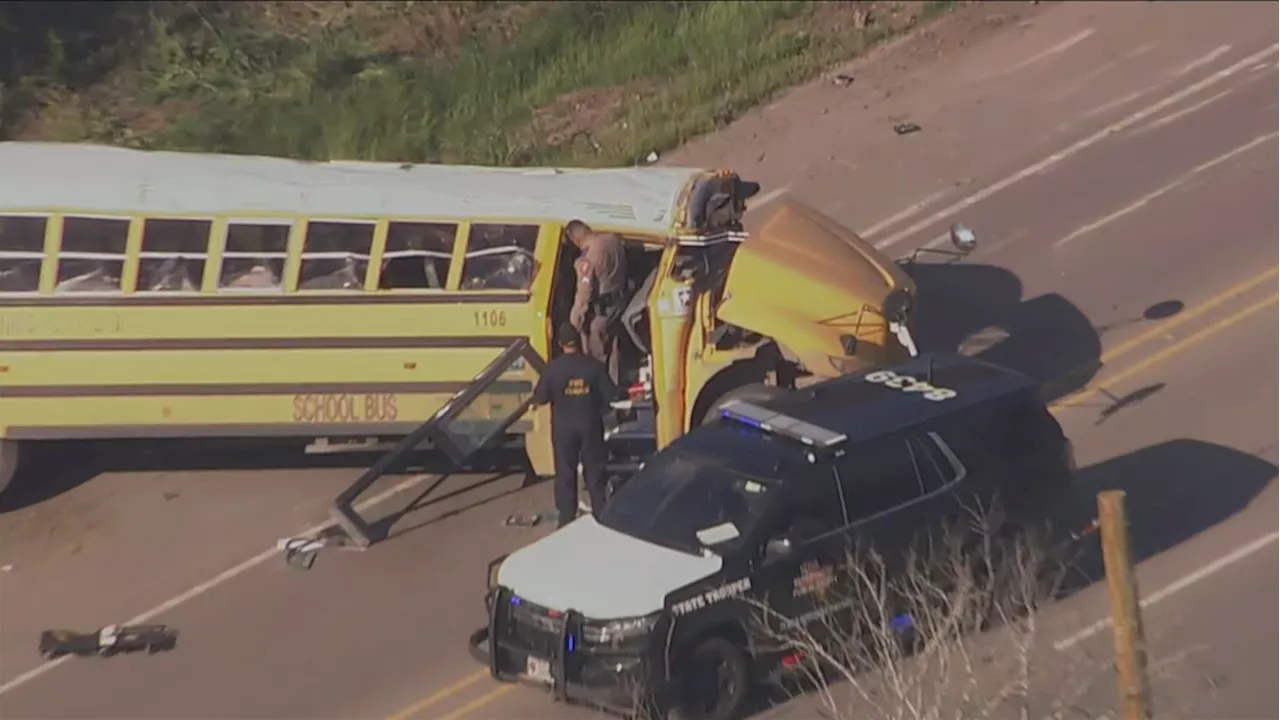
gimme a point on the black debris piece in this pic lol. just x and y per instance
(843, 80)
(906, 128)
(108, 641)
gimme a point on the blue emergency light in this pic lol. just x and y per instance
(778, 424)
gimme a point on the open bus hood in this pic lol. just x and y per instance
(804, 280)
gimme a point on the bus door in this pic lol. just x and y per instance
(693, 268)
(472, 420)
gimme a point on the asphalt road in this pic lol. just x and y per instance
(1115, 160)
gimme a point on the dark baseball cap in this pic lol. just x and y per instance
(568, 335)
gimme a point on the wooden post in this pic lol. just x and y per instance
(1126, 613)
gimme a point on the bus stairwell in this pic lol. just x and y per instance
(472, 420)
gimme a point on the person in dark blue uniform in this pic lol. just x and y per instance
(579, 390)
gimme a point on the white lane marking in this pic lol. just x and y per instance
(1098, 72)
(772, 194)
(1118, 102)
(1142, 201)
(1071, 150)
(1176, 586)
(1181, 113)
(1202, 61)
(904, 214)
(213, 582)
(1050, 52)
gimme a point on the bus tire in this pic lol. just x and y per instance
(715, 683)
(8, 464)
(753, 392)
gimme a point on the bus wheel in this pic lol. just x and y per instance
(8, 463)
(715, 683)
(754, 393)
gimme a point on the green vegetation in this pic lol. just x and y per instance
(507, 83)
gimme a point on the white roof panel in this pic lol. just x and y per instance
(107, 180)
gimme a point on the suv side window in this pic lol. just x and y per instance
(935, 468)
(974, 437)
(879, 477)
(815, 507)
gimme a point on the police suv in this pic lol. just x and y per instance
(653, 600)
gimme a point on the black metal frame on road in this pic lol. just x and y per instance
(343, 512)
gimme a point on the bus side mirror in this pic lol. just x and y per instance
(963, 238)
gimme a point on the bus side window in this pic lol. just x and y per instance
(500, 257)
(253, 256)
(174, 252)
(335, 255)
(417, 256)
(21, 252)
(92, 255)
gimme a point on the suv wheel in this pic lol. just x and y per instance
(714, 683)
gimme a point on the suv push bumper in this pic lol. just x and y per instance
(613, 681)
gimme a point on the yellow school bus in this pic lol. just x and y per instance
(153, 295)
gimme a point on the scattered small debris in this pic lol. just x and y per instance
(530, 519)
(108, 641)
(842, 80)
(652, 157)
(906, 128)
(300, 552)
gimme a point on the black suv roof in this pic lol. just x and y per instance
(863, 410)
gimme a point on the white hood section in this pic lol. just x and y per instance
(599, 572)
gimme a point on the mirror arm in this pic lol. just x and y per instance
(954, 254)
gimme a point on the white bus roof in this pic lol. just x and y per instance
(101, 179)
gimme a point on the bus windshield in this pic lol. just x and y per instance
(687, 502)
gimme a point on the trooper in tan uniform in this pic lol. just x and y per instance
(600, 298)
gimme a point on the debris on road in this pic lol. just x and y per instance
(530, 519)
(652, 157)
(906, 128)
(108, 641)
(842, 80)
(300, 552)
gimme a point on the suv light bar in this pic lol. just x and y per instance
(779, 424)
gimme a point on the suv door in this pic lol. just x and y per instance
(799, 554)
(899, 489)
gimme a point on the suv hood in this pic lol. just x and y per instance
(599, 572)
(803, 277)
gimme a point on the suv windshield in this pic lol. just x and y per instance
(686, 501)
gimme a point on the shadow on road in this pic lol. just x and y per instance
(53, 468)
(979, 310)
(1174, 491)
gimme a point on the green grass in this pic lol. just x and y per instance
(651, 75)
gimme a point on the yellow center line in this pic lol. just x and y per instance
(479, 702)
(439, 695)
(1138, 367)
(1159, 357)
(1190, 314)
